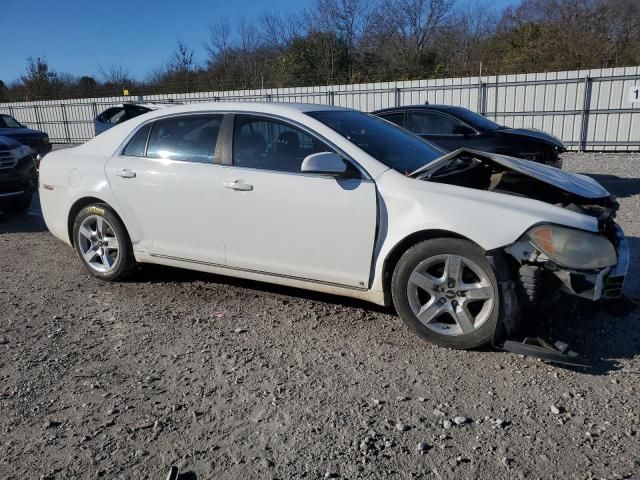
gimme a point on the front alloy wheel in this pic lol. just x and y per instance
(446, 291)
(450, 294)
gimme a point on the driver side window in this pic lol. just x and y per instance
(268, 144)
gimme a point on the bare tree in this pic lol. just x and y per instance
(39, 80)
(116, 75)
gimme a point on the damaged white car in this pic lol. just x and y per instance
(338, 201)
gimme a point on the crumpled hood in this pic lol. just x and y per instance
(532, 133)
(573, 183)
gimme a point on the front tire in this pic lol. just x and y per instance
(445, 290)
(102, 243)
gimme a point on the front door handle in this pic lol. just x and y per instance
(126, 173)
(238, 185)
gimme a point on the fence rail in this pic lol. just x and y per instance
(586, 109)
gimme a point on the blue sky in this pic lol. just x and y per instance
(80, 36)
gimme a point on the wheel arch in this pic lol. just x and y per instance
(403, 245)
(78, 205)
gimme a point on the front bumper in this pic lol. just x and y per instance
(605, 283)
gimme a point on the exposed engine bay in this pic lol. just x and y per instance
(511, 176)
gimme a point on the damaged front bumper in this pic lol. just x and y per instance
(605, 283)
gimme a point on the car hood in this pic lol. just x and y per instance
(576, 184)
(533, 134)
(21, 132)
(8, 143)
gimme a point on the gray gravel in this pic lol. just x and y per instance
(231, 379)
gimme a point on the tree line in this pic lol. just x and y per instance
(352, 41)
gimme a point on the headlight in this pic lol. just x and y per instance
(573, 248)
(20, 152)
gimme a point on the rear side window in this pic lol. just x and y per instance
(397, 118)
(137, 144)
(112, 115)
(188, 138)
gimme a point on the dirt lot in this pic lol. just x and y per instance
(235, 379)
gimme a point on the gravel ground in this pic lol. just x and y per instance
(235, 379)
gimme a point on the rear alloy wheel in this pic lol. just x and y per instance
(446, 290)
(102, 243)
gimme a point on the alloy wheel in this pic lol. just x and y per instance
(450, 295)
(99, 245)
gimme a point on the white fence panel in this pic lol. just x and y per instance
(587, 109)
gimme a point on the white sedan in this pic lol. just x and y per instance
(338, 201)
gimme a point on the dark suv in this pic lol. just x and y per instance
(37, 140)
(18, 175)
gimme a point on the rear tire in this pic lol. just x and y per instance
(446, 291)
(102, 243)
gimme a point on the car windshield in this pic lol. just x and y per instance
(386, 142)
(474, 119)
(7, 121)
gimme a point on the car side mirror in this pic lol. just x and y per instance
(325, 163)
(463, 130)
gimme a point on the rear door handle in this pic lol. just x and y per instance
(126, 173)
(238, 185)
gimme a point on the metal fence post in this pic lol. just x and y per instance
(584, 114)
(482, 98)
(332, 97)
(66, 122)
(35, 110)
(397, 97)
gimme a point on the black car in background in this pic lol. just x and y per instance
(37, 140)
(18, 175)
(456, 127)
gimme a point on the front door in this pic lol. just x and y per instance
(278, 220)
(170, 187)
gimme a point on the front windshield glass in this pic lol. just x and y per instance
(474, 119)
(386, 142)
(10, 122)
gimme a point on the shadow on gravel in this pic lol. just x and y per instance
(21, 223)
(618, 186)
(30, 221)
(161, 274)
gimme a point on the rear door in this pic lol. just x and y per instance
(280, 221)
(166, 181)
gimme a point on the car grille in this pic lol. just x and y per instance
(6, 159)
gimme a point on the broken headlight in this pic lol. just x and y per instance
(573, 248)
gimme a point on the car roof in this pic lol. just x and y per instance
(437, 107)
(282, 108)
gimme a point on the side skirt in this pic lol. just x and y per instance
(372, 296)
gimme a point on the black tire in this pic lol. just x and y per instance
(18, 205)
(435, 248)
(125, 260)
